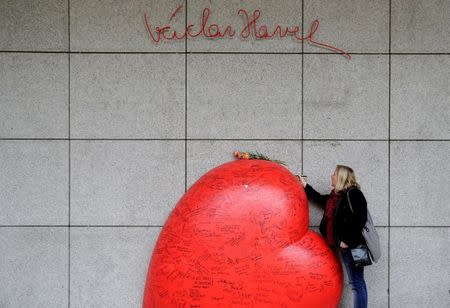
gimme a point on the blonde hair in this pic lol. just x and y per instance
(345, 178)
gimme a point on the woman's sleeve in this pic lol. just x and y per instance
(315, 196)
(359, 205)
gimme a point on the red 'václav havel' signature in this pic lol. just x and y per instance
(251, 28)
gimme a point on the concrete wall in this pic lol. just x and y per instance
(102, 132)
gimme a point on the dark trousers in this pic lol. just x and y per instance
(355, 278)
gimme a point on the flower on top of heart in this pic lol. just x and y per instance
(255, 155)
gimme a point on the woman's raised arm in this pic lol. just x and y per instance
(316, 197)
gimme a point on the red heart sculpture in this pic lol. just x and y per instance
(239, 238)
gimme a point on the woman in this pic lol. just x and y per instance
(340, 227)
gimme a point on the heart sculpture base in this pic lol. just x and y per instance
(239, 238)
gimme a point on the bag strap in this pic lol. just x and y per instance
(348, 199)
(350, 204)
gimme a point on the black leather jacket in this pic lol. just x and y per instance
(348, 225)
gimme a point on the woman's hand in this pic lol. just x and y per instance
(301, 179)
(343, 245)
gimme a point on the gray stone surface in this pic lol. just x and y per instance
(224, 13)
(368, 159)
(125, 182)
(346, 99)
(244, 96)
(108, 266)
(120, 27)
(33, 95)
(117, 84)
(420, 101)
(419, 269)
(420, 26)
(34, 25)
(127, 96)
(34, 182)
(206, 155)
(419, 183)
(34, 267)
(353, 26)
